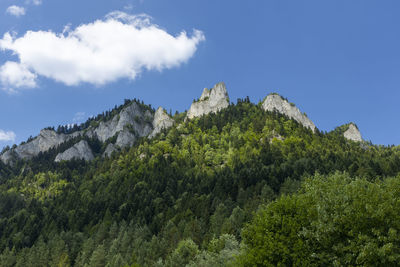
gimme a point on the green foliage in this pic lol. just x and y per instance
(183, 254)
(183, 196)
(333, 220)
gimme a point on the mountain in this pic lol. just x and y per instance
(130, 123)
(134, 121)
(239, 184)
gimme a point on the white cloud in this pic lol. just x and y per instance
(119, 46)
(7, 136)
(16, 10)
(16, 75)
(33, 2)
(36, 2)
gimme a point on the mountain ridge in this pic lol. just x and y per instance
(134, 120)
(193, 185)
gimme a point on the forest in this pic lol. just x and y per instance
(241, 187)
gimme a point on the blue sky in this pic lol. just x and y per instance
(338, 61)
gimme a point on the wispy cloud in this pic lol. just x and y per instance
(16, 10)
(79, 117)
(119, 46)
(128, 7)
(34, 2)
(7, 136)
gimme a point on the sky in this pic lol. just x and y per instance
(64, 61)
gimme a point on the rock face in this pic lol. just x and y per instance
(212, 100)
(161, 121)
(80, 150)
(274, 102)
(132, 115)
(352, 133)
(109, 150)
(132, 122)
(125, 138)
(44, 141)
(8, 157)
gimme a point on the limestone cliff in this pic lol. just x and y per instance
(275, 102)
(43, 142)
(125, 138)
(80, 150)
(132, 115)
(352, 133)
(212, 100)
(161, 121)
(109, 150)
(129, 124)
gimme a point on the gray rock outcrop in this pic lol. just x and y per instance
(8, 157)
(352, 133)
(212, 100)
(109, 150)
(80, 150)
(46, 140)
(131, 115)
(161, 121)
(132, 122)
(275, 102)
(125, 138)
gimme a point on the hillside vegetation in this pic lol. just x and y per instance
(242, 187)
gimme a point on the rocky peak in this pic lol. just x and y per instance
(80, 150)
(275, 102)
(212, 100)
(161, 121)
(131, 115)
(352, 133)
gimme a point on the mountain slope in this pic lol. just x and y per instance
(190, 188)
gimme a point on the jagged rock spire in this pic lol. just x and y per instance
(211, 100)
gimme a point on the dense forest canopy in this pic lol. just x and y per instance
(240, 187)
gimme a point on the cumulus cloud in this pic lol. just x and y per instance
(7, 136)
(16, 10)
(118, 46)
(16, 75)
